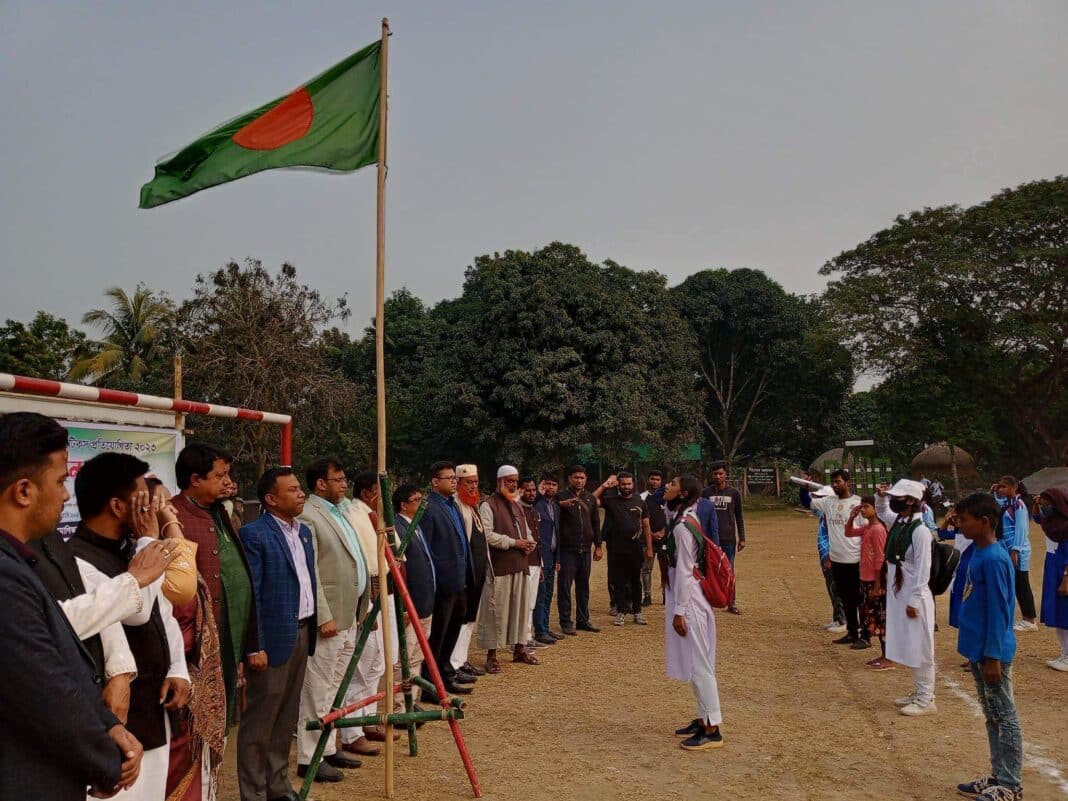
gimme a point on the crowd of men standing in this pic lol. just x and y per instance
(166, 622)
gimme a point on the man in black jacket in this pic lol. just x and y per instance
(57, 739)
(579, 530)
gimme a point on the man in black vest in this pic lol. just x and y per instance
(57, 739)
(112, 493)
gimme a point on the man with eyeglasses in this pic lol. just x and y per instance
(343, 589)
(443, 530)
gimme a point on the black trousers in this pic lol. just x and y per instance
(449, 611)
(837, 613)
(1024, 595)
(847, 582)
(574, 569)
(625, 575)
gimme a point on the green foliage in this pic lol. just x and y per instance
(976, 300)
(46, 348)
(772, 375)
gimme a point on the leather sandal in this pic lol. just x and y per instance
(526, 658)
(493, 666)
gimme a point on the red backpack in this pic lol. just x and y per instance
(713, 570)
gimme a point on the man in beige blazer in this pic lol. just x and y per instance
(343, 588)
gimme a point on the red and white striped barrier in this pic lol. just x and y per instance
(82, 392)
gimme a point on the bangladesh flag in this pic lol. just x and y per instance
(331, 122)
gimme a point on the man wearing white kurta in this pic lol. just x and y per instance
(343, 586)
(528, 493)
(503, 617)
(691, 656)
(910, 614)
(363, 518)
(469, 499)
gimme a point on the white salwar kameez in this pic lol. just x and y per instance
(910, 640)
(691, 658)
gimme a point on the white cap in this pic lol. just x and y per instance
(907, 488)
(823, 492)
(466, 471)
(504, 471)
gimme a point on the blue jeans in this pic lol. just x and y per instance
(1002, 726)
(545, 594)
(731, 549)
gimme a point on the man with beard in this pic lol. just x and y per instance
(58, 737)
(502, 615)
(579, 531)
(626, 526)
(548, 511)
(111, 490)
(528, 494)
(470, 497)
(654, 504)
(844, 557)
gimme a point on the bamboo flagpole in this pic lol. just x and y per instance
(380, 373)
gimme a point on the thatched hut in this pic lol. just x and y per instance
(833, 456)
(1045, 478)
(937, 461)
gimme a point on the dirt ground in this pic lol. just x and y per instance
(803, 719)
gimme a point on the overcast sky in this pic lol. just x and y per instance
(672, 136)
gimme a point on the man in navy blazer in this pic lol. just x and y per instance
(549, 546)
(57, 738)
(281, 560)
(443, 531)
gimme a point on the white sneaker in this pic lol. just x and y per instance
(836, 628)
(905, 700)
(1059, 664)
(1026, 625)
(620, 619)
(640, 620)
(915, 710)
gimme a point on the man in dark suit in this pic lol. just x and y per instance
(443, 530)
(57, 739)
(418, 568)
(549, 547)
(281, 560)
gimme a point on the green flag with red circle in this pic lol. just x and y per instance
(331, 122)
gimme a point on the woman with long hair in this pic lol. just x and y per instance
(689, 620)
(1011, 496)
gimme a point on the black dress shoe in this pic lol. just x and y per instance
(546, 639)
(474, 670)
(457, 689)
(464, 677)
(587, 627)
(569, 631)
(342, 761)
(326, 772)
(556, 635)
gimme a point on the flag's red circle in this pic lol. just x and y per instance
(287, 122)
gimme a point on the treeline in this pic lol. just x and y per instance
(962, 312)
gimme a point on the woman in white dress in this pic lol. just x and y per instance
(910, 615)
(689, 620)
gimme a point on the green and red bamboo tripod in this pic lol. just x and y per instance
(452, 709)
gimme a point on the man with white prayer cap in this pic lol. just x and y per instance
(503, 619)
(910, 613)
(470, 497)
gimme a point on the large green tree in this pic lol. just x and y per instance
(545, 352)
(47, 347)
(978, 297)
(772, 375)
(254, 339)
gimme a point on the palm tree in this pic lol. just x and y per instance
(136, 332)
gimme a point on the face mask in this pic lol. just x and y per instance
(899, 505)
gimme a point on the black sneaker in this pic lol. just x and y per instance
(972, 789)
(588, 627)
(703, 741)
(326, 773)
(845, 639)
(694, 727)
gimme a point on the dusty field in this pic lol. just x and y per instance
(803, 719)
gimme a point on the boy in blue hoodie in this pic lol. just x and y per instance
(987, 640)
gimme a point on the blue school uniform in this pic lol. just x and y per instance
(988, 607)
(1015, 529)
(1054, 605)
(960, 578)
